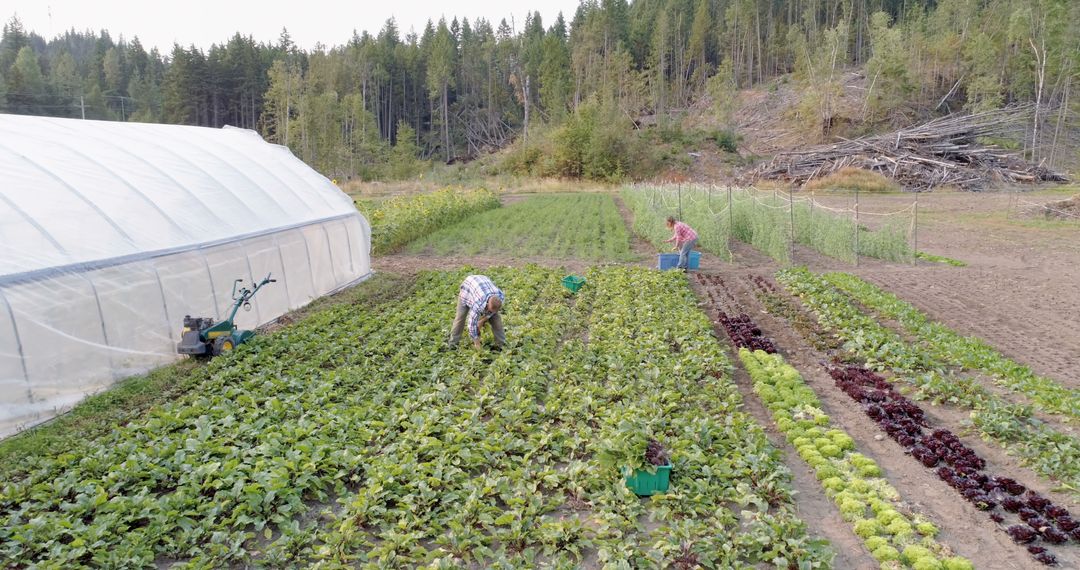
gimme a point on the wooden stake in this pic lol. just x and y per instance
(791, 220)
(915, 233)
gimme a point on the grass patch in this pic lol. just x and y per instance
(578, 226)
(850, 179)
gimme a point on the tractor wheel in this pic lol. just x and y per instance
(222, 344)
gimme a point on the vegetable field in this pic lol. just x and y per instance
(580, 226)
(811, 420)
(356, 438)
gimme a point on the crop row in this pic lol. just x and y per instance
(767, 222)
(356, 438)
(851, 479)
(582, 226)
(904, 421)
(970, 353)
(740, 328)
(1048, 451)
(398, 221)
(963, 469)
(854, 482)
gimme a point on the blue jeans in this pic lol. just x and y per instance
(684, 253)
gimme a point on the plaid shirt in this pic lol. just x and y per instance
(683, 234)
(475, 292)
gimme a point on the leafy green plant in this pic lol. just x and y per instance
(354, 438)
(582, 226)
(967, 353)
(398, 221)
(939, 259)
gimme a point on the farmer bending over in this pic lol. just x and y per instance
(481, 300)
(685, 239)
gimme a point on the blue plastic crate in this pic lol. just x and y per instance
(666, 261)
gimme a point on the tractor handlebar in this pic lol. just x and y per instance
(242, 296)
(246, 293)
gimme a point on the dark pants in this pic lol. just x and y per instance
(462, 318)
(684, 253)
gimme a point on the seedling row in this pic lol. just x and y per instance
(892, 533)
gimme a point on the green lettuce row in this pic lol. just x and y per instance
(1046, 450)
(970, 353)
(852, 480)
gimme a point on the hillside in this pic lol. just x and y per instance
(384, 103)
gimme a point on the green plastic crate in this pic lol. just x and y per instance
(644, 483)
(573, 282)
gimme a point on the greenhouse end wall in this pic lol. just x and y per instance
(74, 333)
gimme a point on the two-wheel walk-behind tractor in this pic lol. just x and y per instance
(201, 336)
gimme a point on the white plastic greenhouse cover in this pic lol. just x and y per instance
(111, 232)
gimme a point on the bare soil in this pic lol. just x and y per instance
(1019, 289)
(638, 245)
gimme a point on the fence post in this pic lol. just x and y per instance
(791, 219)
(680, 202)
(856, 226)
(915, 233)
(730, 221)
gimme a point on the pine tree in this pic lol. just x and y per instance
(890, 82)
(26, 83)
(440, 70)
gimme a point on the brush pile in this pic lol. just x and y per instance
(946, 151)
(1060, 210)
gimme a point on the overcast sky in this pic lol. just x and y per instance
(201, 22)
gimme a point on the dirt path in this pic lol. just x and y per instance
(963, 527)
(638, 245)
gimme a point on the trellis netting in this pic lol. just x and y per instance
(110, 233)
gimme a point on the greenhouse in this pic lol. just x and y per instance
(111, 232)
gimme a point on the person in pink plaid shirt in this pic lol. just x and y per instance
(685, 239)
